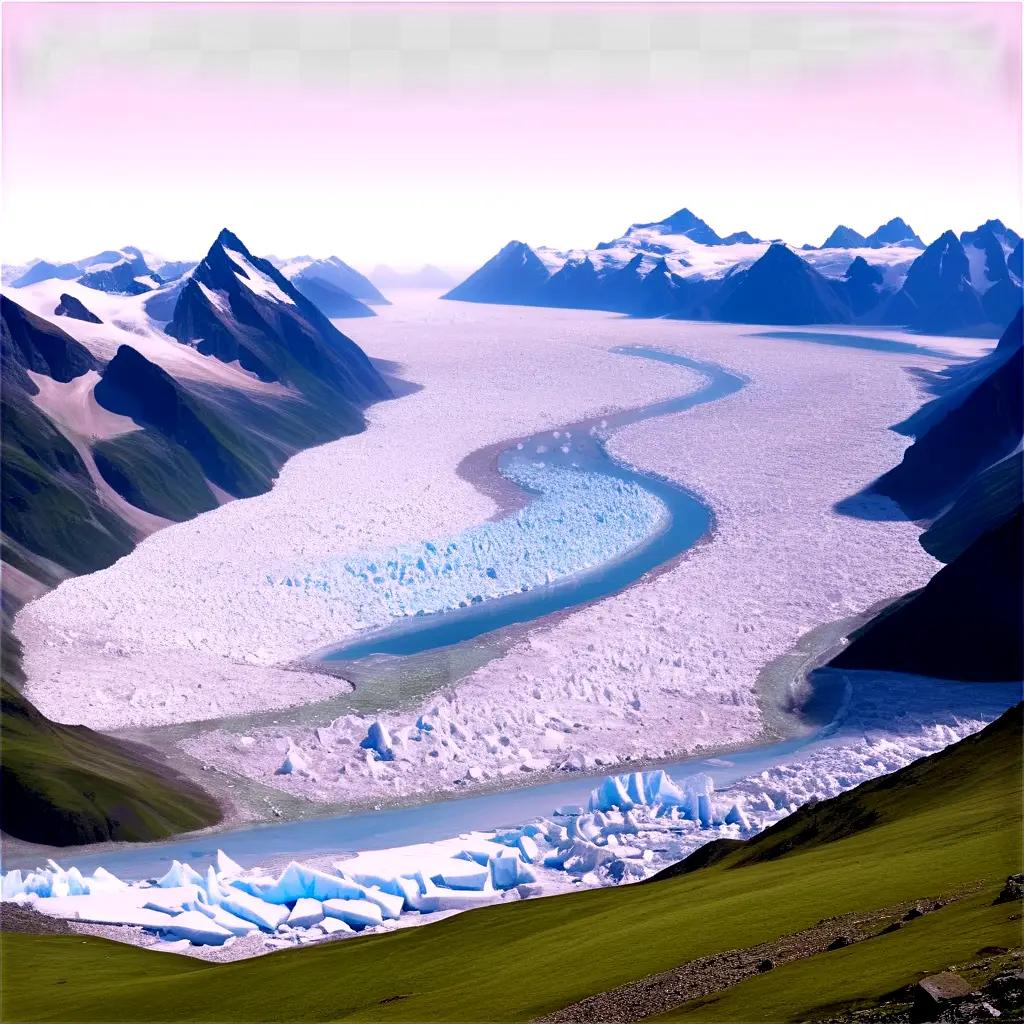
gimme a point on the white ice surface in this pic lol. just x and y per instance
(664, 668)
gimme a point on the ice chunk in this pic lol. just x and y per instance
(306, 913)
(102, 879)
(251, 908)
(390, 904)
(333, 925)
(357, 913)
(509, 871)
(737, 816)
(234, 924)
(179, 874)
(11, 885)
(108, 908)
(293, 763)
(226, 866)
(458, 874)
(197, 928)
(528, 849)
(378, 740)
(298, 881)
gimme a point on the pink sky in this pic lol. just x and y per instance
(151, 136)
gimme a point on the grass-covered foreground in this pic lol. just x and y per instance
(946, 826)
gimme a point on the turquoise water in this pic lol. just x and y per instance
(859, 341)
(690, 519)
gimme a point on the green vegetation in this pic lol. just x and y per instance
(857, 976)
(50, 507)
(154, 474)
(64, 785)
(946, 825)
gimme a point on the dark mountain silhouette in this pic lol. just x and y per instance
(515, 275)
(781, 288)
(135, 387)
(937, 296)
(965, 624)
(861, 286)
(71, 307)
(971, 429)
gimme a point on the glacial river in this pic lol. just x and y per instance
(381, 661)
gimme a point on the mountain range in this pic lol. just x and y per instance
(103, 446)
(337, 289)
(681, 267)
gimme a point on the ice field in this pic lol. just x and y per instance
(188, 627)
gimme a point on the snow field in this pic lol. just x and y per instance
(671, 665)
(187, 627)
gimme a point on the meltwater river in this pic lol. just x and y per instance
(413, 637)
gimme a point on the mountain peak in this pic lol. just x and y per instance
(894, 232)
(843, 238)
(229, 240)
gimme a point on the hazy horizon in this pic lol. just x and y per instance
(411, 134)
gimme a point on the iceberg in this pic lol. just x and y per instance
(357, 913)
(179, 874)
(268, 916)
(197, 928)
(378, 740)
(306, 913)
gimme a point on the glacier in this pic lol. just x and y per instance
(578, 520)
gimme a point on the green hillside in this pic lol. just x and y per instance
(946, 827)
(63, 784)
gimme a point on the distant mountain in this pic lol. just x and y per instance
(781, 288)
(894, 232)
(236, 306)
(68, 498)
(44, 271)
(937, 295)
(71, 307)
(904, 285)
(515, 275)
(126, 274)
(576, 286)
(331, 271)
(331, 300)
(682, 222)
(861, 286)
(427, 276)
(740, 238)
(844, 238)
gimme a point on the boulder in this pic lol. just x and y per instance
(936, 993)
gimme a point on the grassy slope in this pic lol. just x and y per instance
(154, 474)
(939, 826)
(66, 784)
